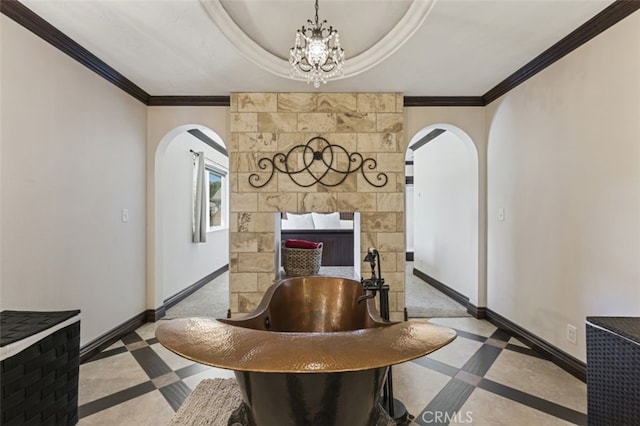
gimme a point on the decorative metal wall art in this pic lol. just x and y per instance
(317, 161)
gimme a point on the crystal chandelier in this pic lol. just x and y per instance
(316, 55)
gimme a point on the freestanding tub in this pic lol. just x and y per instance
(309, 354)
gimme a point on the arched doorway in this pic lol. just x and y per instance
(442, 207)
(181, 266)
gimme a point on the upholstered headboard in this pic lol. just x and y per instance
(343, 215)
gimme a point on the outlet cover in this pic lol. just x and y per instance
(571, 333)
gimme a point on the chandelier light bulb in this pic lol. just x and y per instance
(317, 52)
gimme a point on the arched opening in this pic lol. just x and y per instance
(442, 226)
(182, 266)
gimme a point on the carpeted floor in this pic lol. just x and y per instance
(422, 300)
(212, 300)
(425, 301)
(210, 404)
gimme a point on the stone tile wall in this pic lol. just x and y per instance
(263, 124)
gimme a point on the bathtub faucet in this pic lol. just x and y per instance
(376, 282)
(372, 255)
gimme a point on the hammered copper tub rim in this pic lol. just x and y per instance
(211, 342)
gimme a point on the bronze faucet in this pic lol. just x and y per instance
(375, 283)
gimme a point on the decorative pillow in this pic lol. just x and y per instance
(303, 244)
(326, 221)
(298, 221)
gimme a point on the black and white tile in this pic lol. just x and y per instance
(484, 377)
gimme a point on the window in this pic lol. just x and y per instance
(217, 196)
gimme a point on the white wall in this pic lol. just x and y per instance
(163, 125)
(564, 162)
(184, 262)
(446, 212)
(73, 156)
(465, 122)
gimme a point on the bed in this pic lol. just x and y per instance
(334, 230)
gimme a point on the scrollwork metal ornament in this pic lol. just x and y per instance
(317, 162)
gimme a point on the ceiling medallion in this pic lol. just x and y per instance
(316, 55)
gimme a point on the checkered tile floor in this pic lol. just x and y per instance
(484, 377)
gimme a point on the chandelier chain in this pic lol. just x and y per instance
(317, 7)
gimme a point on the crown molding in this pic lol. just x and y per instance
(608, 17)
(189, 101)
(24, 16)
(418, 101)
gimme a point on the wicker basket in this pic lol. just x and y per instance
(299, 261)
(40, 383)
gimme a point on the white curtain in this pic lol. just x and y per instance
(200, 202)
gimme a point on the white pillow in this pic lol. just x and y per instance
(298, 221)
(326, 221)
(346, 224)
(285, 224)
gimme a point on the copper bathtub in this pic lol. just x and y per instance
(310, 353)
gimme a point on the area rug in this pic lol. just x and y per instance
(210, 404)
(213, 400)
